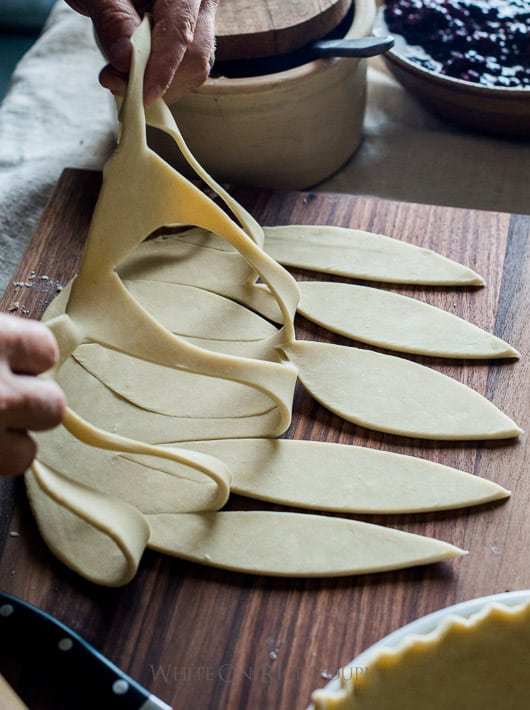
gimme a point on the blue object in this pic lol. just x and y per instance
(24, 14)
(20, 23)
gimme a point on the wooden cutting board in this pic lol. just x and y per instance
(202, 638)
(262, 28)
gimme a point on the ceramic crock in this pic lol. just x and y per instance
(287, 130)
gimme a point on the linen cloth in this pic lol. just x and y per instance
(56, 115)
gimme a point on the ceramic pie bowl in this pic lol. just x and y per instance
(503, 111)
(496, 110)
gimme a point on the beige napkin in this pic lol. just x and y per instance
(55, 115)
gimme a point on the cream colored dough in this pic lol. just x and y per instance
(364, 255)
(96, 402)
(165, 391)
(476, 663)
(395, 395)
(198, 258)
(340, 477)
(302, 474)
(203, 318)
(97, 535)
(290, 544)
(148, 483)
(396, 322)
(200, 313)
(138, 374)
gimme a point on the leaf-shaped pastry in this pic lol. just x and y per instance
(304, 474)
(364, 255)
(340, 477)
(99, 404)
(199, 313)
(290, 544)
(396, 322)
(164, 390)
(394, 395)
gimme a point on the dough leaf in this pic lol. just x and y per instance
(363, 255)
(394, 395)
(396, 322)
(344, 478)
(291, 544)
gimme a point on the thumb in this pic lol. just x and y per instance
(114, 22)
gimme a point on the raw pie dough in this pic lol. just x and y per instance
(396, 322)
(475, 663)
(142, 373)
(364, 255)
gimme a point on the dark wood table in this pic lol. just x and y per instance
(203, 638)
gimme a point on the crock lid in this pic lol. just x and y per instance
(248, 29)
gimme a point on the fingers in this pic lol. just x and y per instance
(182, 39)
(114, 22)
(29, 403)
(172, 33)
(26, 346)
(25, 402)
(194, 68)
(17, 451)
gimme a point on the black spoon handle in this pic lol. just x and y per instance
(355, 47)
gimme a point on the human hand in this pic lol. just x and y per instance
(183, 36)
(27, 348)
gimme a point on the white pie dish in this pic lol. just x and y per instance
(425, 625)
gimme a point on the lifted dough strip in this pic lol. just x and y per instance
(159, 116)
(120, 523)
(210, 466)
(122, 220)
(211, 216)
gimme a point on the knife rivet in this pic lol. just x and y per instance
(120, 687)
(6, 610)
(65, 644)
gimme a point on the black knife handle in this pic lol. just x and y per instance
(69, 667)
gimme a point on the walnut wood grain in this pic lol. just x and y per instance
(264, 28)
(202, 638)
